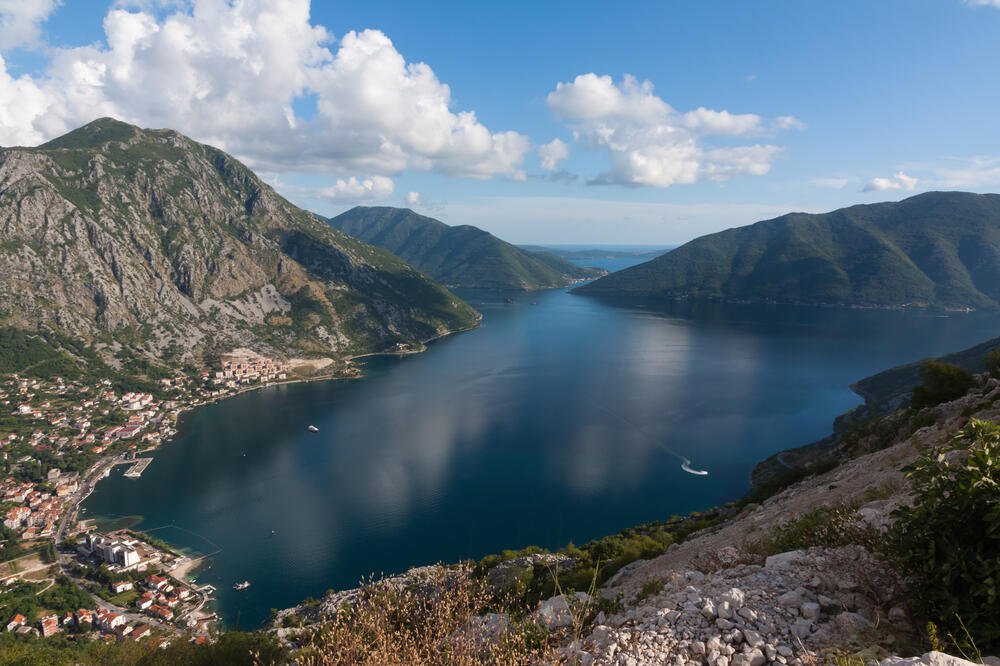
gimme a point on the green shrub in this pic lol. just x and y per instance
(993, 363)
(941, 382)
(948, 542)
(823, 527)
(650, 588)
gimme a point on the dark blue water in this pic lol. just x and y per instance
(565, 420)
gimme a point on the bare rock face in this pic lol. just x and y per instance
(174, 248)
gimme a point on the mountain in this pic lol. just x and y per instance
(146, 240)
(462, 256)
(597, 252)
(939, 249)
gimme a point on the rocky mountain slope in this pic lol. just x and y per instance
(148, 240)
(461, 256)
(939, 249)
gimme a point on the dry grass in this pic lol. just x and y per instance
(747, 552)
(430, 624)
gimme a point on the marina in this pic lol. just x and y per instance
(136, 470)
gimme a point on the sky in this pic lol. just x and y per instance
(559, 122)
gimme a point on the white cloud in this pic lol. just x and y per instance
(899, 181)
(231, 74)
(552, 153)
(983, 3)
(20, 21)
(354, 190)
(650, 143)
(969, 172)
(413, 199)
(788, 122)
(707, 121)
(833, 182)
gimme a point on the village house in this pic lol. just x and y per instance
(156, 582)
(121, 586)
(18, 621)
(161, 611)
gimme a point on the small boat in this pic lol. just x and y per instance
(312, 428)
(242, 586)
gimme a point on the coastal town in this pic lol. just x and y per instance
(59, 574)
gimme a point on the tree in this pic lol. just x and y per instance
(941, 382)
(48, 552)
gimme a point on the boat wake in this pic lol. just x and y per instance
(686, 466)
(685, 463)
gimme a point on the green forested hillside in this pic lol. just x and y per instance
(462, 256)
(939, 249)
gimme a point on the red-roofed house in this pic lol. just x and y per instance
(18, 621)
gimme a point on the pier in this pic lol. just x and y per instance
(138, 468)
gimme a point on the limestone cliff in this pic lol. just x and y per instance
(147, 239)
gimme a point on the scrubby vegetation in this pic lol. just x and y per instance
(597, 561)
(940, 382)
(948, 541)
(430, 626)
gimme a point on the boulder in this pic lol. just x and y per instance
(556, 612)
(735, 597)
(928, 659)
(783, 559)
(809, 610)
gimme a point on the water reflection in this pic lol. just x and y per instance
(562, 421)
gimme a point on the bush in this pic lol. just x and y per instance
(942, 382)
(948, 542)
(429, 624)
(993, 363)
(824, 527)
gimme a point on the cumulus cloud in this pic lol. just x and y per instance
(354, 190)
(788, 122)
(552, 153)
(413, 199)
(20, 21)
(650, 143)
(899, 181)
(232, 74)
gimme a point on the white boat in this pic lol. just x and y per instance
(242, 586)
(313, 428)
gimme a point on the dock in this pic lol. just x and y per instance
(138, 468)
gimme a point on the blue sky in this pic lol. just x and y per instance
(675, 118)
